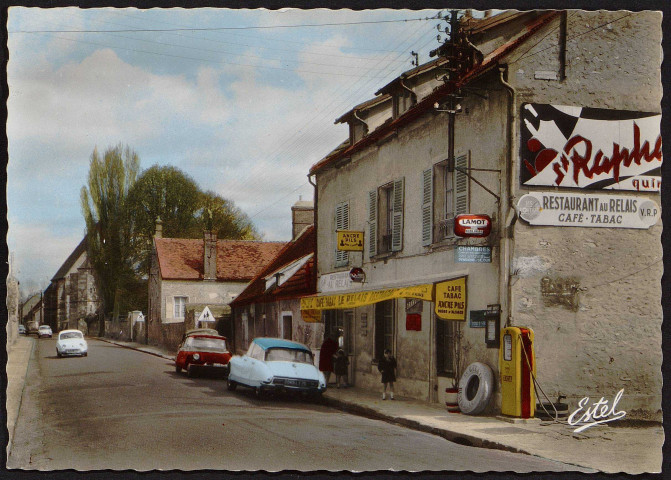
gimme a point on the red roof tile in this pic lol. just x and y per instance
(299, 284)
(237, 260)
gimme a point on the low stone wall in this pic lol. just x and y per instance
(171, 335)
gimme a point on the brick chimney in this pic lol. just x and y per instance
(158, 233)
(209, 255)
(302, 215)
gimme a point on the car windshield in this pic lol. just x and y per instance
(45, 328)
(71, 335)
(288, 355)
(209, 344)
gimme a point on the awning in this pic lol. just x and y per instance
(311, 307)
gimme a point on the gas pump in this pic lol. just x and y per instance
(518, 368)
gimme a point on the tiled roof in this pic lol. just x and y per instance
(70, 261)
(426, 104)
(299, 284)
(237, 260)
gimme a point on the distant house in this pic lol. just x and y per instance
(31, 311)
(205, 271)
(270, 305)
(72, 295)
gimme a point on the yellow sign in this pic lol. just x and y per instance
(359, 299)
(350, 240)
(311, 316)
(451, 299)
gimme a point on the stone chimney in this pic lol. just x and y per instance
(158, 233)
(302, 215)
(209, 255)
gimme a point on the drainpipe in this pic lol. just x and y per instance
(508, 215)
(316, 211)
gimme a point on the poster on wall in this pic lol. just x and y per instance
(451, 299)
(590, 148)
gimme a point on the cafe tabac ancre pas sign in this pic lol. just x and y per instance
(588, 210)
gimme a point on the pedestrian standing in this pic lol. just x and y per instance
(387, 367)
(340, 363)
(326, 352)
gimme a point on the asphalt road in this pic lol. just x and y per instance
(123, 409)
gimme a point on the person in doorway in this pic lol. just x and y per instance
(387, 367)
(340, 363)
(326, 352)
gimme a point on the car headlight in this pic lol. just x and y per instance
(196, 356)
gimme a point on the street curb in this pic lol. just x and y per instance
(17, 408)
(450, 435)
(160, 355)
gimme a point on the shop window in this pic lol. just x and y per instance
(384, 327)
(444, 196)
(445, 338)
(385, 218)
(341, 223)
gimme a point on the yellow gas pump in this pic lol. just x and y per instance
(517, 363)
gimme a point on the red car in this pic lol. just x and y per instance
(203, 352)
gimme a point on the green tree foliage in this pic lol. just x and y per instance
(105, 209)
(221, 215)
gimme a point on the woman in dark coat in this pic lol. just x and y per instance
(387, 367)
(326, 352)
(340, 364)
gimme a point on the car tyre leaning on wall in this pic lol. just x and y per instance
(475, 388)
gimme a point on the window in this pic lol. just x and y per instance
(341, 223)
(385, 218)
(445, 330)
(287, 320)
(180, 307)
(444, 196)
(384, 327)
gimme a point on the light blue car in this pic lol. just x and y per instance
(276, 365)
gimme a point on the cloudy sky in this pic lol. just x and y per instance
(244, 101)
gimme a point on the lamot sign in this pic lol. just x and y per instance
(472, 225)
(588, 210)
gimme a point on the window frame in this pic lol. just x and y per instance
(175, 302)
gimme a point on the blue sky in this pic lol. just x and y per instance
(244, 111)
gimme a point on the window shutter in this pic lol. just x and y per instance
(397, 221)
(372, 223)
(461, 186)
(427, 207)
(341, 223)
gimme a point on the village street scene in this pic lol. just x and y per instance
(334, 240)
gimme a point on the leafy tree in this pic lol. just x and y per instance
(221, 215)
(109, 231)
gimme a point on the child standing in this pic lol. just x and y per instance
(387, 367)
(340, 363)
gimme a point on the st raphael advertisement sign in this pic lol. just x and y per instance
(590, 148)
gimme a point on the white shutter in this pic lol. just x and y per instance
(461, 186)
(397, 219)
(341, 223)
(372, 223)
(427, 207)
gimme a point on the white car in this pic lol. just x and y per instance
(44, 331)
(71, 342)
(273, 364)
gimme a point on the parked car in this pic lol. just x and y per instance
(22, 329)
(44, 331)
(202, 352)
(276, 365)
(71, 342)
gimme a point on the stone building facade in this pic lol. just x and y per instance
(590, 292)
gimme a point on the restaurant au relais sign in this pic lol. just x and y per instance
(588, 210)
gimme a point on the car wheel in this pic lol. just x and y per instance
(178, 369)
(231, 385)
(86, 354)
(189, 370)
(58, 354)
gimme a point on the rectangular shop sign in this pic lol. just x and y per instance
(590, 148)
(476, 319)
(413, 322)
(587, 210)
(349, 240)
(450, 300)
(473, 254)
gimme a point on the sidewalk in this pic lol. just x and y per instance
(18, 357)
(608, 447)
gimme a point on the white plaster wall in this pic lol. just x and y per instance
(197, 292)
